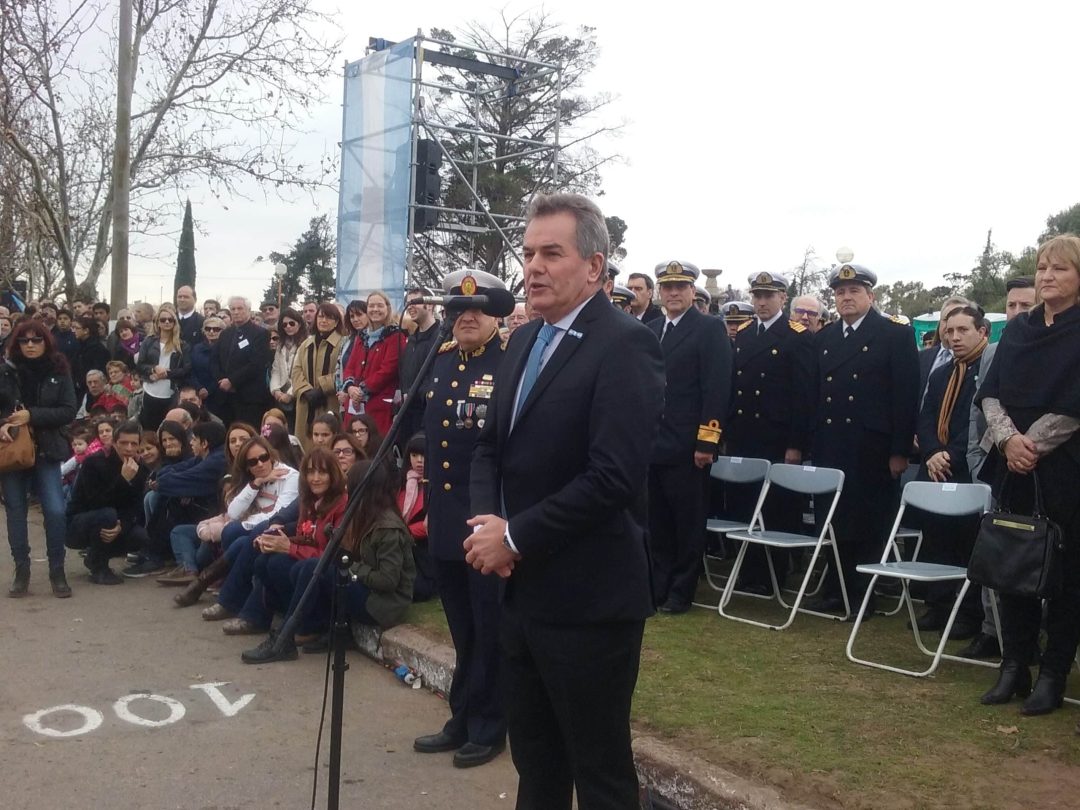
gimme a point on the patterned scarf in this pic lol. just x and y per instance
(952, 390)
(412, 492)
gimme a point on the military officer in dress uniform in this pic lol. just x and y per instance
(772, 413)
(867, 406)
(462, 380)
(697, 360)
(736, 313)
(702, 299)
(622, 297)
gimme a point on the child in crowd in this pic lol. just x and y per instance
(80, 445)
(410, 501)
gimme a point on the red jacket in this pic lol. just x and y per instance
(313, 535)
(375, 370)
(417, 515)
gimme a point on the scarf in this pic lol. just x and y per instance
(412, 492)
(131, 346)
(952, 390)
(373, 336)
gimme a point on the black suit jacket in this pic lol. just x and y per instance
(652, 312)
(572, 473)
(243, 355)
(773, 405)
(697, 360)
(868, 395)
(957, 444)
(191, 328)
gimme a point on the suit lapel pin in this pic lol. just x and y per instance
(574, 333)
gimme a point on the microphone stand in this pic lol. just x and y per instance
(334, 553)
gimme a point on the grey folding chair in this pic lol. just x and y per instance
(806, 480)
(733, 470)
(904, 534)
(953, 500)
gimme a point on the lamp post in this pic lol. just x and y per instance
(279, 272)
(844, 254)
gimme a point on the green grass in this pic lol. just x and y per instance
(789, 709)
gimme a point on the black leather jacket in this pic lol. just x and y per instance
(150, 357)
(54, 411)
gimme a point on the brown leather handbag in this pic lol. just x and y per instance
(19, 453)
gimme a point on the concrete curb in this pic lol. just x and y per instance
(677, 777)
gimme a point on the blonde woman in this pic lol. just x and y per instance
(371, 373)
(163, 363)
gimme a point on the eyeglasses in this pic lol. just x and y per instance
(257, 460)
(273, 338)
(270, 308)
(289, 323)
(810, 313)
(166, 320)
(35, 340)
(359, 430)
(211, 328)
(344, 451)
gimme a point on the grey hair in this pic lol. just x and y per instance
(95, 374)
(592, 232)
(816, 300)
(246, 301)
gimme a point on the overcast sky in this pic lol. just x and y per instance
(754, 130)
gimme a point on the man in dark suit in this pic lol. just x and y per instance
(459, 392)
(188, 319)
(643, 307)
(772, 415)
(239, 362)
(558, 483)
(868, 397)
(697, 362)
(940, 355)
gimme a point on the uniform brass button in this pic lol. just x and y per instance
(449, 402)
(445, 443)
(828, 421)
(446, 423)
(739, 393)
(829, 378)
(851, 399)
(446, 465)
(453, 384)
(757, 415)
(430, 394)
(461, 367)
(828, 399)
(757, 393)
(865, 349)
(763, 375)
(738, 373)
(848, 421)
(739, 411)
(854, 376)
(447, 487)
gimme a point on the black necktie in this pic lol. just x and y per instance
(760, 328)
(667, 330)
(849, 331)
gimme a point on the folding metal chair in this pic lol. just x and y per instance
(733, 470)
(903, 534)
(951, 500)
(819, 481)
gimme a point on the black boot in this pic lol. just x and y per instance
(1048, 694)
(21, 584)
(213, 572)
(1014, 678)
(60, 587)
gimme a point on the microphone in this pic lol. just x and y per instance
(494, 302)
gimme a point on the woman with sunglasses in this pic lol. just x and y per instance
(264, 487)
(164, 362)
(36, 391)
(371, 375)
(291, 332)
(201, 376)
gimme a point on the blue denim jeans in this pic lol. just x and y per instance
(285, 584)
(237, 586)
(185, 545)
(44, 476)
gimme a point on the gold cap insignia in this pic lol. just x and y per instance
(468, 286)
(763, 278)
(674, 267)
(846, 272)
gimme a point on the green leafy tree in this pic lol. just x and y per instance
(1067, 221)
(185, 257)
(309, 265)
(616, 228)
(910, 298)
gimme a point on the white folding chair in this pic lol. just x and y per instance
(733, 470)
(904, 534)
(952, 500)
(820, 481)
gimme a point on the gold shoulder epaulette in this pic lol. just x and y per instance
(449, 346)
(744, 325)
(796, 326)
(710, 433)
(897, 319)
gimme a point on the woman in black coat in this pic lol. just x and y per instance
(164, 362)
(36, 390)
(90, 354)
(1031, 399)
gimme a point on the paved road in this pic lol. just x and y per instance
(205, 749)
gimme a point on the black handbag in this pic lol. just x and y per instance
(1018, 554)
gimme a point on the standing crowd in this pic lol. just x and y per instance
(551, 483)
